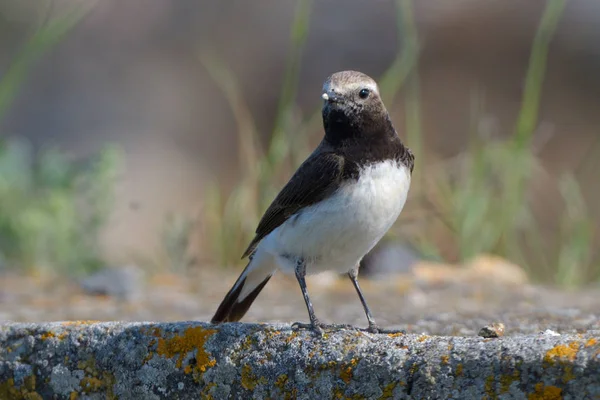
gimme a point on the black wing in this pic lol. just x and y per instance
(316, 179)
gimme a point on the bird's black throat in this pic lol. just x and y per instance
(365, 137)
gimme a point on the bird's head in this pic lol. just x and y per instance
(352, 102)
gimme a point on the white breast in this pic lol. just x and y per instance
(336, 233)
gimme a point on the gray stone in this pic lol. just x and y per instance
(195, 360)
(122, 282)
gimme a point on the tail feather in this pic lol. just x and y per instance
(243, 293)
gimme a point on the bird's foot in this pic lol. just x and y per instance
(315, 327)
(374, 328)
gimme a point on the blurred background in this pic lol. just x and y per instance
(141, 141)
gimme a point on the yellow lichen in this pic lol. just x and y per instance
(50, 335)
(79, 323)
(563, 355)
(507, 380)
(347, 373)
(395, 335)
(562, 352)
(91, 384)
(29, 383)
(249, 342)
(193, 339)
(271, 333)
(205, 393)
(281, 381)
(591, 342)
(388, 391)
(568, 375)
(8, 390)
(546, 393)
(422, 338)
(248, 378)
(490, 389)
(291, 336)
(445, 360)
(459, 370)
(293, 394)
(95, 380)
(329, 365)
(413, 369)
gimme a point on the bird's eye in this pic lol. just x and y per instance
(364, 93)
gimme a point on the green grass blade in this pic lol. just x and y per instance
(298, 36)
(46, 37)
(408, 36)
(528, 116)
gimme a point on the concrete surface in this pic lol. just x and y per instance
(187, 360)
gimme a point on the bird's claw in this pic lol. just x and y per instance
(374, 328)
(316, 328)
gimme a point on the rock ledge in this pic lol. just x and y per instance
(188, 360)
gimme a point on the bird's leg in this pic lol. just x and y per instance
(300, 275)
(315, 324)
(353, 274)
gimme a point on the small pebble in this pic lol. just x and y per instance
(494, 330)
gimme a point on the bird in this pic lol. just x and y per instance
(337, 205)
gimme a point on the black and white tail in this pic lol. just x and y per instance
(239, 298)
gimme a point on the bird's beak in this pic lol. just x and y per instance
(330, 97)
